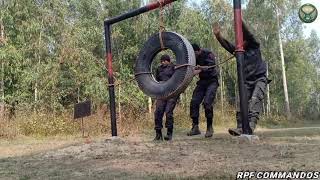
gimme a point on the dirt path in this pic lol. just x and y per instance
(184, 158)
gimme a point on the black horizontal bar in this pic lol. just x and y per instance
(138, 11)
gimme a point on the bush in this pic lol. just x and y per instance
(272, 121)
(44, 124)
(132, 120)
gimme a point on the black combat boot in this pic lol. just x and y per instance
(158, 136)
(168, 137)
(237, 131)
(209, 132)
(253, 124)
(194, 130)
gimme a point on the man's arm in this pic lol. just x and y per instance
(211, 61)
(224, 43)
(249, 37)
(196, 71)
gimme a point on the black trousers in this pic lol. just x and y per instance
(256, 93)
(204, 92)
(164, 107)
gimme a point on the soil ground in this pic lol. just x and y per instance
(220, 157)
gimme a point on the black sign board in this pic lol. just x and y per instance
(82, 109)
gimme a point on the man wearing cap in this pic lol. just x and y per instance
(255, 72)
(164, 73)
(205, 91)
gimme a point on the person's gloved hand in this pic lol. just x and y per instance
(197, 70)
(197, 67)
(216, 29)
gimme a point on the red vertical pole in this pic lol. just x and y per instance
(112, 98)
(107, 29)
(240, 66)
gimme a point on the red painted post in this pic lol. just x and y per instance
(107, 29)
(240, 67)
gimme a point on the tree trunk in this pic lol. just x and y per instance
(101, 5)
(2, 42)
(221, 94)
(318, 106)
(268, 93)
(285, 88)
(2, 104)
(2, 37)
(119, 87)
(119, 102)
(150, 106)
(78, 94)
(236, 96)
(36, 94)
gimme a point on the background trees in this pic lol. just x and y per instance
(53, 55)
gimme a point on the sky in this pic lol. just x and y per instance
(308, 27)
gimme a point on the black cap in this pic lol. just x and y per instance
(165, 57)
(196, 47)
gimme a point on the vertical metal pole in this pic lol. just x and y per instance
(112, 99)
(107, 28)
(240, 66)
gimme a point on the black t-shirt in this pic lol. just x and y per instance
(164, 72)
(207, 58)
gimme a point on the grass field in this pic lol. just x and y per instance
(140, 158)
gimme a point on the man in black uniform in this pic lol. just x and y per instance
(164, 73)
(255, 70)
(205, 90)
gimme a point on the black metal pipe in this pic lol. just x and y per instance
(138, 11)
(127, 15)
(240, 67)
(107, 29)
(112, 99)
(243, 95)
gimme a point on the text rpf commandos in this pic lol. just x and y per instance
(278, 175)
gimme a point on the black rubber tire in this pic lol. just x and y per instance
(181, 78)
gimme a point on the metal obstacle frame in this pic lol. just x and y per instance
(239, 56)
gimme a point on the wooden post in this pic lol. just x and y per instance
(82, 127)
